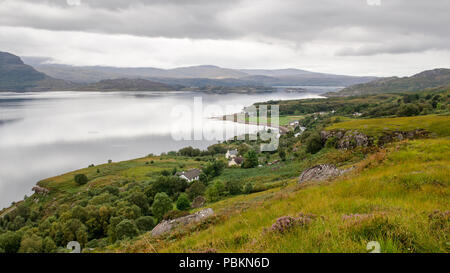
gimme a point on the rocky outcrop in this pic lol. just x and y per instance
(40, 190)
(350, 139)
(320, 173)
(393, 136)
(168, 226)
(342, 139)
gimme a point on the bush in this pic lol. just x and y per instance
(161, 205)
(32, 244)
(250, 160)
(408, 110)
(145, 223)
(233, 187)
(248, 188)
(126, 229)
(81, 179)
(196, 189)
(171, 185)
(214, 168)
(10, 242)
(313, 143)
(214, 191)
(183, 202)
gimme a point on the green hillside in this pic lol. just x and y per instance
(19, 77)
(427, 79)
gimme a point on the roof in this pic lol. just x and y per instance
(238, 160)
(233, 152)
(190, 174)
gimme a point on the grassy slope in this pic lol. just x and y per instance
(440, 125)
(402, 184)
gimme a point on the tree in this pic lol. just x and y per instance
(161, 205)
(32, 244)
(48, 246)
(212, 194)
(169, 184)
(10, 241)
(74, 230)
(408, 110)
(183, 202)
(196, 189)
(250, 160)
(140, 200)
(126, 229)
(313, 143)
(214, 168)
(214, 191)
(145, 223)
(233, 187)
(81, 179)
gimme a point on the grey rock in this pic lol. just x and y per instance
(168, 226)
(40, 190)
(320, 173)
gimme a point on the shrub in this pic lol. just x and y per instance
(81, 179)
(214, 168)
(161, 205)
(233, 187)
(408, 110)
(248, 188)
(183, 202)
(126, 229)
(32, 244)
(10, 241)
(313, 143)
(250, 160)
(145, 223)
(196, 189)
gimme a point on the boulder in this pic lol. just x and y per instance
(198, 202)
(168, 226)
(40, 190)
(319, 173)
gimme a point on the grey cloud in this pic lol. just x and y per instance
(293, 21)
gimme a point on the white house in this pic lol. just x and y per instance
(231, 154)
(294, 123)
(190, 175)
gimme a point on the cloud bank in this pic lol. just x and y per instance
(348, 36)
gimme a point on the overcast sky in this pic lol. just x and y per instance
(355, 37)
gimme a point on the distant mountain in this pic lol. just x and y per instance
(427, 79)
(199, 76)
(92, 74)
(283, 72)
(127, 85)
(19, 77)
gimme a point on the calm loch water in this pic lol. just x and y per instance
(49, 133)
